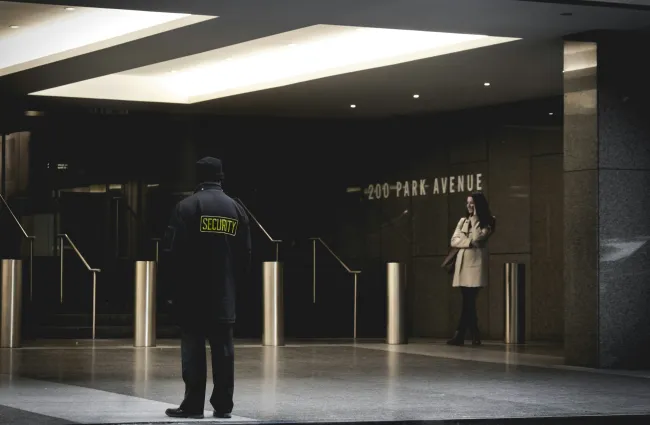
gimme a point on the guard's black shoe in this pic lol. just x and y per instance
(180, 413)
(221, 415)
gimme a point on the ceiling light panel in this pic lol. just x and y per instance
(309, 53)
(49, 33)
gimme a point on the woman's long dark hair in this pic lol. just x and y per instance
(483, 212)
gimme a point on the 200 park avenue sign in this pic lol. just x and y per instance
(423, 187)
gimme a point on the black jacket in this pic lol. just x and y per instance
(208, 250)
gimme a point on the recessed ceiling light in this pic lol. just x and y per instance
(70, 9)
(14, 27)
(323, 51)
(353, 106)
(486, 84)
(550, 113)
(416, 96)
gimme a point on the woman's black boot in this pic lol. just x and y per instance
(476, 337)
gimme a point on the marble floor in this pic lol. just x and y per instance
(110, 382)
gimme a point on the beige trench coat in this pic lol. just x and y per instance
(472, 264)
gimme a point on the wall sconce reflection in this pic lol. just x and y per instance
(619, 249)
(9, 362)
(142, 371)
(393, 368)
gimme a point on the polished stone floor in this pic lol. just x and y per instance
(58, 382)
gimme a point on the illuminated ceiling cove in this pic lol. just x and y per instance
(33, 35)
(287, 58)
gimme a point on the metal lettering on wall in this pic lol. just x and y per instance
(424, 187)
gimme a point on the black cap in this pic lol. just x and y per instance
(209, 169)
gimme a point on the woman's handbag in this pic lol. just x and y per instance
(450, 261)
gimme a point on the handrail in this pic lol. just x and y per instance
(355, 273)
(141, 222)
(275, 241)
(157, 241)
(81, 257)
(141, 225)
(22, 229)
(145, 231)
(31, 247)
(345, 266)
(63, 237)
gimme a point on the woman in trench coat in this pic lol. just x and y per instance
(472, 263)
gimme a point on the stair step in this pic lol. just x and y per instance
(102, 332)
(81, 320)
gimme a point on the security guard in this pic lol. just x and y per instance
(208, 249)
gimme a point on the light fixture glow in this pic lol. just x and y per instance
(306, 54)
(70, 9)
(65, 35)
(550, 113)
(353, 106)
(14, 27)
(580, 57)
(486, 84)
(416, 96)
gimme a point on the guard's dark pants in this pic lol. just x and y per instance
(195, 368)
(468, 318)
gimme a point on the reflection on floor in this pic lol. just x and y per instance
(56, 382)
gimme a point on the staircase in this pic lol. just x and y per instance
(47, 317)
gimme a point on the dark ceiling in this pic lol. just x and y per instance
(526, 69)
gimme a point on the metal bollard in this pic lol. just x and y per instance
(273, 304)
(12, 298)
(396, 304)
(145, 304)
(515, 302)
